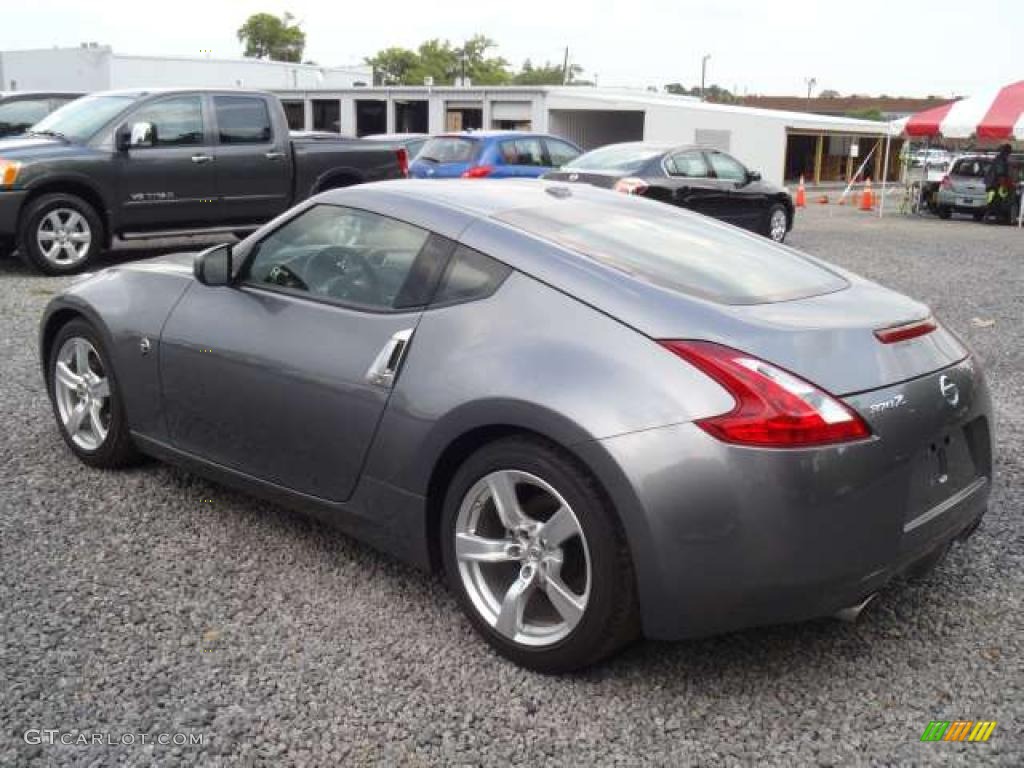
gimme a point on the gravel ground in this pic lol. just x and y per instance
(149, 601)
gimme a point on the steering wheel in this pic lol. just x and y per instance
(286, 277)
(330, 270)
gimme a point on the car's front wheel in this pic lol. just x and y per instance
(944, 212)
(60, 234)
(776, 223)
(86, 400)
(533, 550)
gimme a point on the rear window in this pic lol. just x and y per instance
(628, 158)
(449, 149)
(678, 251)
(973, 167)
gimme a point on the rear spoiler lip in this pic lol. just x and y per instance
(906, 331)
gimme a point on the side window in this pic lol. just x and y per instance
(522, 152)
(470, 275)
(177, 121)
(726, 167)
(340, 254)
(20, 115)
(689, 164)
(561, 152)
(242, 120)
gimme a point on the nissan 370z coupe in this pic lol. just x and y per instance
(598, 415)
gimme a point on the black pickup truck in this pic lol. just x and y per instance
(142, 164)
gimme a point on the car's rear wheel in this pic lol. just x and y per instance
(944, 212)
(86, 400)
(60, 234)
(776, 223)
(534, 553)
(978, 215)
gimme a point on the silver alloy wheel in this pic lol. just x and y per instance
(523, 558)
(82, 391)
(777, 225)
(64, 237)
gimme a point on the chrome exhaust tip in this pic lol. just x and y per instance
(850, 614)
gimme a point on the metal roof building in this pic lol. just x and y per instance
(782, 145)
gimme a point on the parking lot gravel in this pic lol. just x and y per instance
(151, 602)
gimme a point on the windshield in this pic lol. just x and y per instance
(449, 149)
(628, 158)
(81, 119)
(975, 167)
(677, 251)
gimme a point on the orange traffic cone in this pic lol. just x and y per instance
(867, 201)
(823, 200)
(801, 194)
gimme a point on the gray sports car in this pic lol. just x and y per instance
(598, 415)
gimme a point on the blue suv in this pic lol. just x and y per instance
(492, 155)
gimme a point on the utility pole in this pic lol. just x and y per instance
(811, 82)
(703, 73)
(565, 66)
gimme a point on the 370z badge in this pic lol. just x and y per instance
(887, 405)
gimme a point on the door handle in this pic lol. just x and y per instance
(200, 159)
(385, 366)
(274, 155)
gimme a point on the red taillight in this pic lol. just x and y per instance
(403, 161)
(773, 408)
(946, 183)
(630, 186)
(478, 172)
(904, 332)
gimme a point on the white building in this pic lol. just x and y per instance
(98, 68)
(781, 145)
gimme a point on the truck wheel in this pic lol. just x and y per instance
(944, 212)
(60, 234)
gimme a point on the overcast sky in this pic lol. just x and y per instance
(896, 47)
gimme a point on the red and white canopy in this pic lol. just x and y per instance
(996, 115)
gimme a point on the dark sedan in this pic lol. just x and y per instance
(704, 180)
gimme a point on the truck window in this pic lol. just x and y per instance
(177, 121)
(242, 120)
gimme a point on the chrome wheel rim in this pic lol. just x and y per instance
(64, 237)
(523, 558)
(777, 226)
(82, 391)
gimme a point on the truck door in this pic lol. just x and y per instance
(254, 165)
(165, 176)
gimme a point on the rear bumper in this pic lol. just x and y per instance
(964, 201)
(11, 202)
(729, 537)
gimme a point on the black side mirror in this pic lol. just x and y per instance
(753, 176)
(213, 266)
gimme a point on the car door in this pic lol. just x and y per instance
(691, 184)
(284, 374)
(743, 203)
(254, 163)
(165, 176)
(521, 158)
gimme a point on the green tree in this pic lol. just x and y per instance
(547, 74)
(268, 37)
(394, 66)
(714, 93)
(872, 113)
(828, 93)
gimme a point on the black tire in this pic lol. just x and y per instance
(944, 212)
(35, 216)
(767, 227)
(610, 619)
(117, 449)
(978, 216)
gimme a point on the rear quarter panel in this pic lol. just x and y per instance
(318, 162)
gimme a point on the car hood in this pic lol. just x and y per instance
(36, 148)
(172, 263)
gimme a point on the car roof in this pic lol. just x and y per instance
(36, 94)
(140, 92)
(492, 134)
(395, 136)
